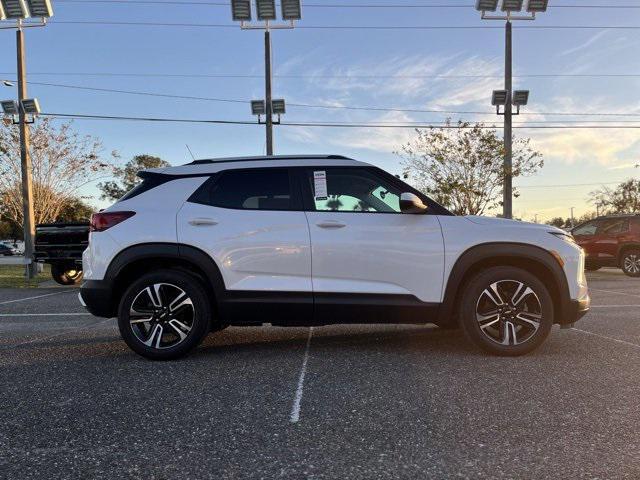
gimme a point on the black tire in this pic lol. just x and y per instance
(630, 263)
(589, 267)
(531, 317)
(65, 274)
(159, 346)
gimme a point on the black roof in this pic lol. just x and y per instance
(266, 157)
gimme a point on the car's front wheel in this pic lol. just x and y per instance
(164, 315)
(506, 311)
(631, 263)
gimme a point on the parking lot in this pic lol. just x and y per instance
(333, 402)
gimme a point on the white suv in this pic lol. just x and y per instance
(317, 240)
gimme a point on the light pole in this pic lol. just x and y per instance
(18, 11)
(572, 220)
(511, 8)
(266, 13)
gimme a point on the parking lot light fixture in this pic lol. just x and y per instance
(291, 9)
(499, 97)
(520, 97)
(278, 106)
(30, 106)
(257, 107)
(9, 107)
(512, 5)
(486, 5)
(40, 8)
(13, 9)
(266, 9)
(537, 6)
(241, 10)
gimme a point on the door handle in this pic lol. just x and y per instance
(201, 222)
(331, 224)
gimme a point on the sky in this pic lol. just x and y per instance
(379, 68)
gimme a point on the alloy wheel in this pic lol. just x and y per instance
(161, 316)
(631, 263)
(508, 312)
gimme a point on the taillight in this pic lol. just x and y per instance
(102, 221)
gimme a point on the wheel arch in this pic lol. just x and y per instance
(136, 260)
(624, 248)
(534, 259)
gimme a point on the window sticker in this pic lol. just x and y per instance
(320, 185)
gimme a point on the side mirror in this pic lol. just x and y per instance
(411, 203)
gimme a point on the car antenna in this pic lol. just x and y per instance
(190, 152)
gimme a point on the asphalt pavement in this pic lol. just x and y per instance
(337, 402)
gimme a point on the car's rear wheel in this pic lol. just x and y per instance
(66, 274)
(164, 315)
(506, 311)
(590, 267)
(630, 263)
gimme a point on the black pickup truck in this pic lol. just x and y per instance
(61, 245)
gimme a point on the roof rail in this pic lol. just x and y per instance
(619, 215)
(272, 157)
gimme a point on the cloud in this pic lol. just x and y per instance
(584, 45)
(623, 166)
(587, 145)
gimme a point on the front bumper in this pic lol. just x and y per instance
(575, 310)
(97, 297)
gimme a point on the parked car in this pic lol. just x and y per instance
(8, 251)
(611, 241)
(317, 240)
(61, 245)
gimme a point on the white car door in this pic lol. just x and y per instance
(254, 228)
(362, 244)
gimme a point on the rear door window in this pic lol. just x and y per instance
(613, 226)
(255, 189)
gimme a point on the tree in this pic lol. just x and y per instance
(624, 198)
(128, 176)
(63, 162)
(558, 222)
(462, 167)
(76, 210)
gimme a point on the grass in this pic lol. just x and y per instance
(12, 276)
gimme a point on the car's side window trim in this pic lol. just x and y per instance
(295, 201)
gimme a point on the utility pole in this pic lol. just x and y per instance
(267, 82)
(507, 199)
(25, 158)
(572, 221)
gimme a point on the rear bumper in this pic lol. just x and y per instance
(96, 296)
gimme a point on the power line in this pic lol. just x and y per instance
(329, 5)
(352, 27)
(320, 124)
(323, 76)
(329, 107)
(566, 185)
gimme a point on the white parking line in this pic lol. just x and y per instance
(33, 298)
(87, 314)
(613, 291)
(608, 338)
(295, 411)
(41, 339)
(614, 306)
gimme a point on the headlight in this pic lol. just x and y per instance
(567, 237)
